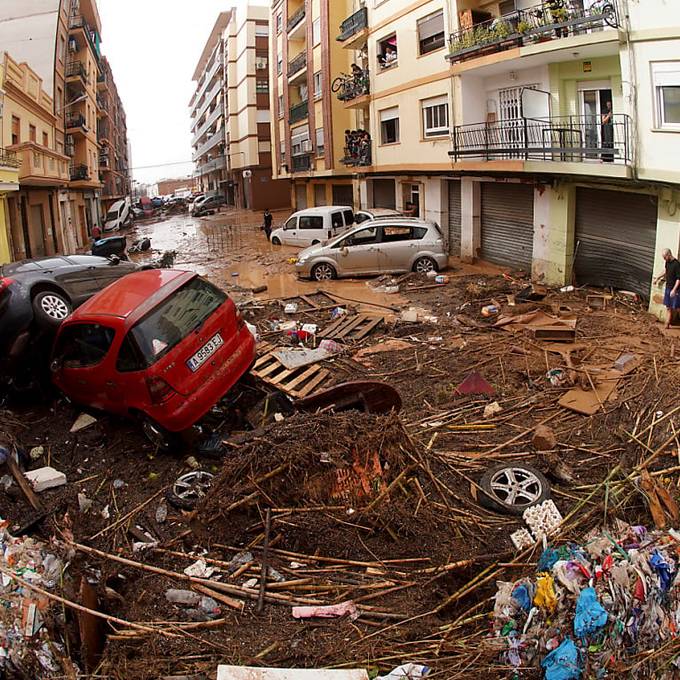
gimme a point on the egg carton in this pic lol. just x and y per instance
(521, 539)
(543, 519)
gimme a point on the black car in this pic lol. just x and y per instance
(37, 295)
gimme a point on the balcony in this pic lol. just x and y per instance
(566, 139)
(354, 29)
(103, 105)
(295, 19)
(211, 143)
(302, 163)
(102, 81)
(103, 133)
(298, 112)
(210, 120)
(297, 64)
(8, 159)
(207, 81)
(350, 88)
(40, 166)
(358, 152)
(76, 71)
(80, 173)
(78, 23)
(75, 122)
(527, 26)
(208, 100)
(218, 163)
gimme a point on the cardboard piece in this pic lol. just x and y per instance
(589, 402)
(253, 673)
(392, 345)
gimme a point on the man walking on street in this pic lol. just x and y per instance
(671, 298)
(267, 223)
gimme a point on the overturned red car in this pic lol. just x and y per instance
(161, 345)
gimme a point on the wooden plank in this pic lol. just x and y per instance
(263, 360)
(350, 326)
(311, 303)
(301, 378)
(316, 380)
(363, 332)
(23, 483)
(275, 365)
(277, 379)
(326, 332)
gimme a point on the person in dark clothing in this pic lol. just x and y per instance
(671, 298)
(267, 223)
(608, 133)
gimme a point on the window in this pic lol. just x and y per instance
(435, 116)
(280, 106)
(62, 48)
(60, 99)
(317, 85)
(311, 222)
(336, 220)
(349, 217)
(389, 125)
(262, 116)
(32, 134)
(282, 151)
(45, 139)
(279, 22)
(291, 224)
(262, 30)
(431, 32)
(300, 140)
(387, 52)
(666, 78)
(264, 146)
(16, 130)
(316, 31)
(320, 142)
(83, 345)
(393, 234)
(359, 238)
(279, 63)
(262, 86)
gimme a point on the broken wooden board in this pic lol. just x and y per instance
(352, 327)
(297, 382)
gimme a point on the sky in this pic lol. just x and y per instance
(153, 47)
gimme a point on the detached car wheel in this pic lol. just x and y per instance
(51, 308)
(188, 489)
(160, 437)
(511, 489)
(423, 265)
(323, 272)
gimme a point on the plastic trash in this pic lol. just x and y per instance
(411, 671)
(545, 593)
(562, 663)
(161, 513)
(522, 596)
(659, 564)
(200, 569)
(567, 289)
(490, 310)
(590, 614)
(185, 597)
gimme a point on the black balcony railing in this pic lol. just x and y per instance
(358, 149)
(569, 139)
(295, 18)
(76, 69)
(297, 64)
(102, 103)
(79, 172)
(543, 22)
(298, 112)
(75, 120)
(9, 159)
(353, 24)
(348, 87)
(302, 163)
(77, 21)
(102, 132)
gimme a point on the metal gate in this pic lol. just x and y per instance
(508, 224)
(384, 195)
(343, 194)
(616, 236)
(454, 218)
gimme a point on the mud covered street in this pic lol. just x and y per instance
(387, 520)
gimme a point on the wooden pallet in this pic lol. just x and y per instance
(351, 328)
(297, 382)
(305, 303)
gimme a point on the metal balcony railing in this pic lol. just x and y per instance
(302, 163)
(216, 164)
(213, 141)
(348, 87)
(9, 159)
(79, 172)
(208, 99)
(298, 112)
(75, 120)
(295, 19)
(525, 26)
(210, 120)
(76, 69)
(77, 21)
(102, 103)
(567, 139)
(358, 152)
(353, 24)
(297, 64)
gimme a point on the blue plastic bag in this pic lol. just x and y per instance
(590, 614)
(563, 663)
(522, 596)
(663, 570)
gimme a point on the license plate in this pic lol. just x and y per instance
(205, 352)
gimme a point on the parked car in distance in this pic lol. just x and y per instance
(402, 244)
(119, 215)
(314, 225)
(194, 200)
(208, 205)
(366, 214)
(161, 345)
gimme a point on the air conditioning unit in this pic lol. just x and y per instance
(306, 146)
(260, 63)
(247, 173)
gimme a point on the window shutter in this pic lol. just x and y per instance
(431, 26)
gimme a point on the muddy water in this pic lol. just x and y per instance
(231, 250)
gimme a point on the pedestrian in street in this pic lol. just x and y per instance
(267, 223)
(671, 297)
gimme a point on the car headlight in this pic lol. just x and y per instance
(302, 260)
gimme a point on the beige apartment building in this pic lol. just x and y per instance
(230, 112)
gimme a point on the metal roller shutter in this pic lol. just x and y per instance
(508, 224)
(343, 194)
(454, 218)
(300, 196)
(616, 233)
(384, 195)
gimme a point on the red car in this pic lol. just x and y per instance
(161, 345)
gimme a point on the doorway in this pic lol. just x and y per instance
(37, 231)
(595, 102)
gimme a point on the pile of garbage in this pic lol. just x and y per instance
(596, 609)
(27, 647)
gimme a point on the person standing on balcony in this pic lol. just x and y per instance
(608, 133)
(671, 298)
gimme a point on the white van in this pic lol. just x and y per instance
(119, 215)
(314, 225)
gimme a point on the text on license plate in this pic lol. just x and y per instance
(205, 352)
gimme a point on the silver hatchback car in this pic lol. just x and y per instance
(401, 244)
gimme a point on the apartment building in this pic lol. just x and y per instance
(230, 112)
(9, 183)
(167, 187)
(114, 164)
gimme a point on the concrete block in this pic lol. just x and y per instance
(45, 478)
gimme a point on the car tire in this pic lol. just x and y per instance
(502, 484)
(423, 265)
(276, 241)
(162, 439)
(323, 272)
(50, 308)
(188, 489)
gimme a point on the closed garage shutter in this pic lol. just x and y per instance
(384, 195)
(454, 218)
(300, 196)
(616, 233)
(343, 194)
(508, 224)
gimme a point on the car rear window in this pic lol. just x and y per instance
(311, 222)
(336, 219)
(168, 324)
(83, 345)
(349, 217)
